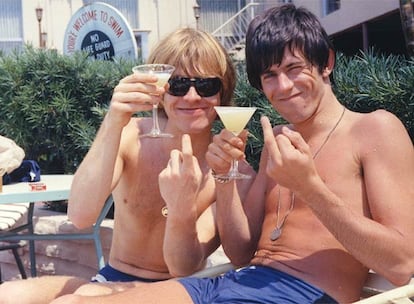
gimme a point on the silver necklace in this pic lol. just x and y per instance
(276, 233)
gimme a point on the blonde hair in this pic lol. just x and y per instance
(195, 51)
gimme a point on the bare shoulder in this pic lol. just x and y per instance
(378, 125)
(380, 119)
(380, 138)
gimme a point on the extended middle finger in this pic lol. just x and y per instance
(187, 150)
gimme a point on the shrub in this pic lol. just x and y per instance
(371, 81)
(52, 105)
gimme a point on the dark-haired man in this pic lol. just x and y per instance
(334, 193)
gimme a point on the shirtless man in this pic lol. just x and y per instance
(147, 246)
(333, 196)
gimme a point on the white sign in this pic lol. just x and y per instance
(102, 31)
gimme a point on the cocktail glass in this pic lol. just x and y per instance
(163, 72)
(234, 120)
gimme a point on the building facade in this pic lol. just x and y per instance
(352, 24)
(149, 20)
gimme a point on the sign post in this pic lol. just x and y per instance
(102, 31)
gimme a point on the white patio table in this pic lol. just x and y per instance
(57, 187)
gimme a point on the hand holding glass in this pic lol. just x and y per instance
(163, 72)
(234, 120)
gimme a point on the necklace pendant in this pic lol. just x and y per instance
(275, 234)
(164, 211)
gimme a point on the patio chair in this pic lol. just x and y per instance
(10, 214)
(379, 290)
(214, 271)
(14, 246)
(398, 295)
(93, 234)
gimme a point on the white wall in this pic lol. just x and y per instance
(56, 15)
(159, 17)
(354, 12)
(351, 12)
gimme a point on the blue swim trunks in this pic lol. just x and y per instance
(110, 274)
(254, 284)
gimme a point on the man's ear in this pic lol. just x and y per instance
(330, 65)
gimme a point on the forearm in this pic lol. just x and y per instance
(375, 245)
(183, 252)
(233, 225)
(92, 182)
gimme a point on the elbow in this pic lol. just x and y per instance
(178, 273)
(239, 257)
(78, 218)
(239, 262)
(78, 225)
(185, 269)
(78, 222)
(181, 272)
(400, 274)
(400, 278)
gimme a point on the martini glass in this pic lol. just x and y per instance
(234, 120)
(163, 72)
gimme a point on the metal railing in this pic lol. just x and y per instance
(232, 33)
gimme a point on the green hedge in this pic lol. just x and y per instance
(370, 81)
(52, 104)
(363, 83)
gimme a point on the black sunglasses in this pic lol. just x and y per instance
(205, 87)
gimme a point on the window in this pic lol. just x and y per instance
(11, 28)
(128, 8)
(215, 12)
(330, 6)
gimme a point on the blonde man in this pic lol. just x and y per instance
(147, 176)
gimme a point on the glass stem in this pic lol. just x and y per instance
(234, 170)
(155, 124)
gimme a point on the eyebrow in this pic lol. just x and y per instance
(295, 63)
(282, 65)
